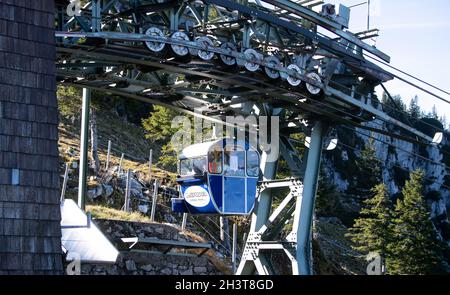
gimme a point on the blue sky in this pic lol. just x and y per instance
(416, 34)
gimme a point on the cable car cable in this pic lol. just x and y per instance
(349, 122)
(402, 79)
(398, 109)
(396, 76)
(417, 86)
(409, 75)
(204, 229)
(363, 127)
(393, 101)
(393, 145)
(350, 253)
(381, 126)
(211, 235)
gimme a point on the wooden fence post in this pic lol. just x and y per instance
(108, 155)
(120, 163)
(155, 196)
(127, 192)
(150, 160)
(63, 189)
(183, 224)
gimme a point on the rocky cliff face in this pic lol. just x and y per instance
(396, 157)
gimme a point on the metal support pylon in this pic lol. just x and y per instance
(84, 138)
(301, 230)
(267, 224)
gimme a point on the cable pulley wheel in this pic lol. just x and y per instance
(251, 54)
(294, 81)
(313, 90)
(270, 72)
(205, 54)
(180, 50)
(227, 59)
(154, 45)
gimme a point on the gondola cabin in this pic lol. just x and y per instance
(218, 177)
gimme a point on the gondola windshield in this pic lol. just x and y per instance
(195, 166)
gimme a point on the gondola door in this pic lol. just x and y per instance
(234, 181)
(252, 170)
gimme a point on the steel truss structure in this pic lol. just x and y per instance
(265, 238)
(215, 58)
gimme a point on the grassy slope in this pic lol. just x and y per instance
(125, 137)
(103, 212)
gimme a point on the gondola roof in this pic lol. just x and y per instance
(201, 149)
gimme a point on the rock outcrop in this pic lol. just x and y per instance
(397, 158)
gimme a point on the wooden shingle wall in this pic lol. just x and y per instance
(30, 233)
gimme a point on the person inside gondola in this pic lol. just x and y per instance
(215, 162)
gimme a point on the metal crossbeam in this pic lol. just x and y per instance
(170, 243)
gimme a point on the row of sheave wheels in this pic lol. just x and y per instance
(251, 62)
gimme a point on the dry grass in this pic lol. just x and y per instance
(102, 212)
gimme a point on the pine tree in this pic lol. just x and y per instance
(159, 124)
(396, 108)
(416, 249)
(443, 120)
(69, 101)
(369, 170)
(434, 114)
(168, 158)
(414, 108)
(372, 231)
(159, 129)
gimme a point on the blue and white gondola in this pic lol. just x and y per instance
(217, 178)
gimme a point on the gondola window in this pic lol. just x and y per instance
(252, 164)
(234, 163)
(215, 158)
(195, 166)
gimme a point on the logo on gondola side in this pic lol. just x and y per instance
(196, 196)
